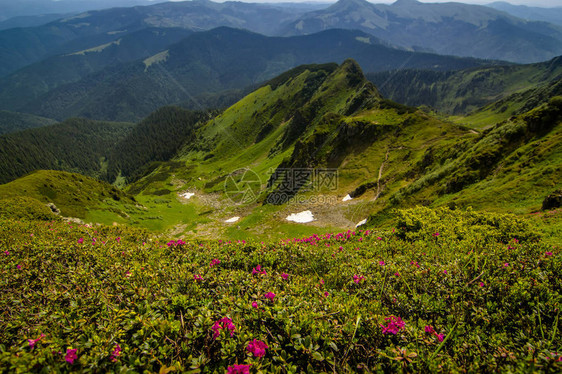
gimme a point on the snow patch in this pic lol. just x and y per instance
(361, 223)
(347, 198)
(302, 217)
(232, 220)
(187, 195)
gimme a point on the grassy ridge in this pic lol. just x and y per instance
(73, 194)
(410, 299)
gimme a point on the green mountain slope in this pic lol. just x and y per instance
(512, 166)
(215, 61)
(385, 155)
(450, 28)
(314, 116)
(74, 145)
(464, 91)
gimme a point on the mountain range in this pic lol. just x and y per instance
(551, 15)
(450, 28)
(87, 84)
(444, 28)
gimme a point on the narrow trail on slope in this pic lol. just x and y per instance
(379, 189)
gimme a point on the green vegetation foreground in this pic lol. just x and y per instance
(447, 291)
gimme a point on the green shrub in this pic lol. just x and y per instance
(422, 223)
(494, 306)
(21, 207)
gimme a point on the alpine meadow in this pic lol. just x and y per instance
(280, 187)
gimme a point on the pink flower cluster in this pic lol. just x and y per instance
(70, 355)
(177, 243)
(269, 295)
(257, 348)
(214, 262)
(284, 276)
(357, 279)
(197, 278)
(238, 369)
(223, 323)
(315, 239)
(258, 270)
(32, 342)
(116, 353)
(430, 330)
(394, 325)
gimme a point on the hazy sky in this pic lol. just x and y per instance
(541, 3)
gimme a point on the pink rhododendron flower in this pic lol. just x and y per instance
(444, 271)
(506, 264)
(258, 270)
(197, 277)
(214, 262)
(32, 342)
(81, 240)
(284, 275)
(269, 295)
(326, 294)
(357, 278)
(321, 281)
(254, 305)
(257, 348)
(70, 355)
(238, 369)
(116, 353)
(381, 263)
(430, 330)
(481, 284)
(546, 253)
(394, 324)
(223, 323)
(18, 267)
(7, 253)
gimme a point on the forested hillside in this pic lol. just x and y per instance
(77, 145)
